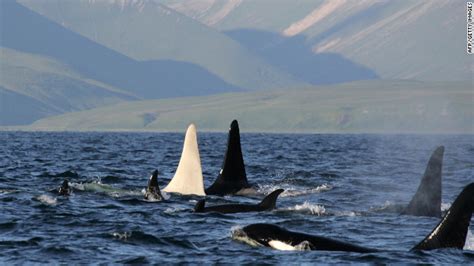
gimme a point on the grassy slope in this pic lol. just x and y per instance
(375, 106)
(32, 87)
(147, 30)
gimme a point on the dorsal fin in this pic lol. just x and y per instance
(427, 200)
(188, 177)
(232, 176)
(153, 189)
(64, 190)
(200, 206)
(153, 181)
(452, 230)
(269, 202)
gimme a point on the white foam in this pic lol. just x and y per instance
(308, 207)
(293, 191)
(445, 206)
(48, 200)
(122, 236)
(174, 209)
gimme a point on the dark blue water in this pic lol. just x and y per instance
(334, 183)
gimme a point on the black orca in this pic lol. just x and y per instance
(153, 190)
(65, 190)
(267, 204)
(449, 233)
(232, 177)
(427, 199)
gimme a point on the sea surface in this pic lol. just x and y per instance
(338, 186)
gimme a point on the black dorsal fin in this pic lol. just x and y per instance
(427, 200)
(452, 230)
(200, 206)
(232, 176)
(269, 202)
(153, 182)
(153, 189)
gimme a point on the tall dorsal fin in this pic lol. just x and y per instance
(188, 177)
(427, 200)
(452, 230)
(232, 176)
(269, 202)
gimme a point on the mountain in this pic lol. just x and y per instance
(423, 40)
(366, 106)
(46, 69)
(146, 30)
(32, 87)
(27, 31)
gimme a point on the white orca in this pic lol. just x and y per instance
(232, 177)
(451, 232)
(187, 179)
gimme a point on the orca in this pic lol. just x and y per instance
(267, 204)
(232, 177)
(153, 190)
(188, 179)
(65, 189)
(427, 199)
(449, 233)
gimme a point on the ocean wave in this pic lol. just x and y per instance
(99, 187)
(293, 191)
(8, 191)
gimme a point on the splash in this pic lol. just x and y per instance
(48, 200)
(445, 207)
(310, 208)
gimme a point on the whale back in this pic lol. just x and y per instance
(188, 179)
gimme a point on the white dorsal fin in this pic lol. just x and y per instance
(188, 177)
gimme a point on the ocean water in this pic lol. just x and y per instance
(336, 186)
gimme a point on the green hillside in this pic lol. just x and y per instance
(147, 30)
(375, 106)
(32, 87)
